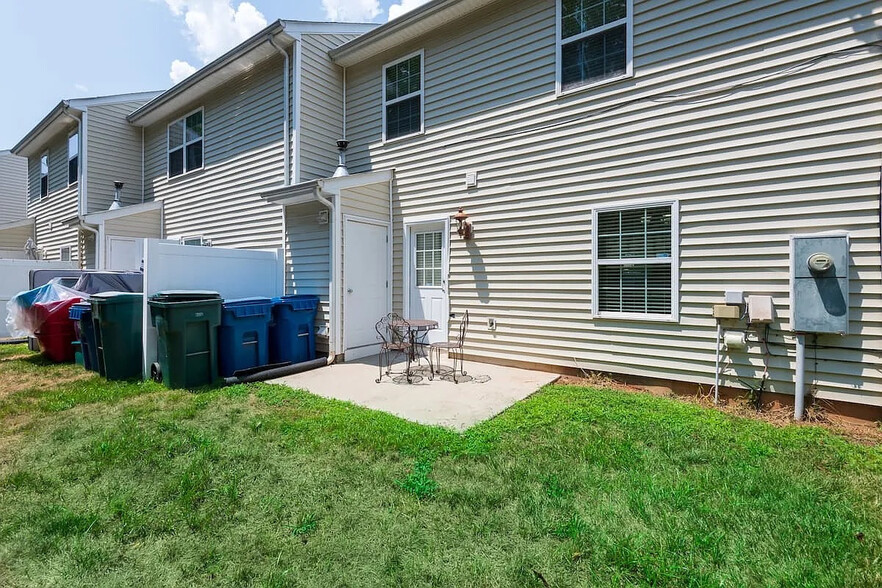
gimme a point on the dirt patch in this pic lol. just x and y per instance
(13, 381)
(860, 432)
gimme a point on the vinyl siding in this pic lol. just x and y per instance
(321, 106)
(243, 155)
(799, 153)
(114, 154)
(13, 187)
(308, 260)
(147, 224)
(59, 205)
(13, 239)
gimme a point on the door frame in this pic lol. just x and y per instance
(409, 224)
(340, 290)
(109, 239)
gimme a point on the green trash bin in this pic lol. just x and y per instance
(187, 323)
(116, 317)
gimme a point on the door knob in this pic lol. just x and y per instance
(349, 290)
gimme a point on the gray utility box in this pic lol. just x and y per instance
(819, 283)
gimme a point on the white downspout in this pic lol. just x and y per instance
(799, 383)
(286, 147)
(333, 302)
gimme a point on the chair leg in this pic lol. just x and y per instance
(380, 366)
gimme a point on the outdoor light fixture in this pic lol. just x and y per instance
(463, 226)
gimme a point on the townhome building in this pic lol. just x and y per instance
(75, 156)
(15, 229)
(592, 179)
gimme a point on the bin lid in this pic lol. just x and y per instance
(116, 297)
(298, 301)
(185, 295)
(78, 310)
(248, 307)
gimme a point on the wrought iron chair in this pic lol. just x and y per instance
(393, 333)
(454, 349)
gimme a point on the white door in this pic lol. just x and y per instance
(365, 285)
(124, 253)
(428, 277)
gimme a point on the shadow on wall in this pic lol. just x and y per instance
(479, 271)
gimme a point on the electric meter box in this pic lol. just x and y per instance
(819, 283)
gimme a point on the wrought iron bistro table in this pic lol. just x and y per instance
(419, 330)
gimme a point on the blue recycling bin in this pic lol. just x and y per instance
(81, 314)
(243, 335)
(292, 333)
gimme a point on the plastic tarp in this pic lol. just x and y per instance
(97, 282)
(28, 311)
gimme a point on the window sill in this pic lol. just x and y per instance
(561, 93)
(402, 137)
(627, 316)
(188, 174)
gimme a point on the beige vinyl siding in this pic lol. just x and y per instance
(243, 155)
(321, 106)
(59, 205)
(14, 238)
(799, 153)
(308, 260)
(114, 154)
(13, 187)
(147, 225)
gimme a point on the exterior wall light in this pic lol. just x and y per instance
(463, 226)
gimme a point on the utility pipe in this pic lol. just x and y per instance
(287, 122)
(799, 391)
(278, 372)
(717, 368)
(332, 339)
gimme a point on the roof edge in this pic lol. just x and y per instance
(40, 127)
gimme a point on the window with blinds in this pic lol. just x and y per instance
(429, 249)
(634, 261)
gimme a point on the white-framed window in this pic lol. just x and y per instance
(429, 252)
(64, 253)
(594, 42)
(73, 158)
(185, 144)
(403, 97)
(636, 261)
(44, 175)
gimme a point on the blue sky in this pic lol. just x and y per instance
(56, 49)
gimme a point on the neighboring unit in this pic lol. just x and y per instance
(75, 155)
(15, 229)
(622, 165)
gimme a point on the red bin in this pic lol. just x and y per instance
(56, 332)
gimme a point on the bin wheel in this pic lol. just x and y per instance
(156, 373)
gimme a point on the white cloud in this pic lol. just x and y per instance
(81, 88)
(396, 10)
(180, 70)
(214, 26)
(351, 10)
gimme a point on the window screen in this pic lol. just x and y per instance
(403, 97)
(593, 41)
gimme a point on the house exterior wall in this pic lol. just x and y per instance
(13, 187)
(12, 239)
(308, 260)
(321, 106)
(798, 153)
(147, 224)
(60, 204)
(114, 154)
(243, 155)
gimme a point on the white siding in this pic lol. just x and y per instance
(799, 153)
(321, 106)
(371, 201)
(14, 238)
(308, 258)
(114, 154)
(243, 155)
(147, 224)
(59, 205)
(13, 187)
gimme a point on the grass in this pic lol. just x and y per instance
(260, 485)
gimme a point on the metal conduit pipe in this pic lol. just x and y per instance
(799, 379)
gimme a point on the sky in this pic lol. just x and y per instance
(60, 49)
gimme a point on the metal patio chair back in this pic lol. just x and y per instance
(393, 333)
(454, 348)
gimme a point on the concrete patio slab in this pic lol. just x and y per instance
(485, 392)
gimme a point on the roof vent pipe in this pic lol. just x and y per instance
(341, 166)
(117, 189)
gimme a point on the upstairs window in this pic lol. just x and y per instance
(73, 158)
(44, 175)
(635, 262)
(594, 41)
(185, 144)
(403, 97)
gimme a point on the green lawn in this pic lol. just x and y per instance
(128, 484)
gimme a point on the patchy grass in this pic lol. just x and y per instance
(262, 485)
